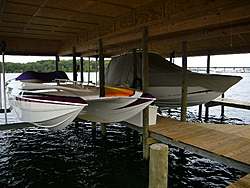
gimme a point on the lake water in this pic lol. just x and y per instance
(80, 157)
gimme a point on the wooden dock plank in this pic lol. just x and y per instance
(239, 130)
(242, 183)
(229, 102)
(230, 141)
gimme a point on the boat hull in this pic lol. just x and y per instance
(54, 105)
(53, 112)
(170, 97)
(113, 110)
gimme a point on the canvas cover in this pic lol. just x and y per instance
(42, 76)
(120, 72)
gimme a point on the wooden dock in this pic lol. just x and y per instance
(242, 183)
(229, 102)
(227, 144)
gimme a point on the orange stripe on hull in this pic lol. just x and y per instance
(118, 92)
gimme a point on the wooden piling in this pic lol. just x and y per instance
(184, 82)
(93, 125)
(101, 64)
(57, 62)
(158, 166)
(145, 81)
(74, 65)
(208, 62)
(208, 72)
(222, 107)
(3, 46)
(134, 68)
(82, 69)
(104, 129)
(96, 75)
(89, 71)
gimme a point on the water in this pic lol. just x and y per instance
(80, 157)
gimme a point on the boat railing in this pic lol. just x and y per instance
(59, 81)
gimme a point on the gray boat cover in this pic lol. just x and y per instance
(120, 72)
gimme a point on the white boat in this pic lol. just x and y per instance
(51, 100)
(165, 80)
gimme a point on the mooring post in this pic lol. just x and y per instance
(208, 72)
(74, 65)
(104, 129)
(82, 69)
(222, 107)
(89, 71)
(96, 65)
(57, 62)
(145, 81)
(134, 68)
(3, 46)
(206, 113)
(101, 64)
(158, 166)
(93, 126)
(200, 112)
(184, 82)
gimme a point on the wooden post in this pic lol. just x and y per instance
(145, 81)
(206, 113)
(101, 64)
(184, 82)
(96, 75)
(103, 129)
(82, 69)
(3, 46)
(74, 65)
(222, 107)
(93, 125)
(200, 112)
(208, 62)
(89, 71)
(134, 69)
(208, 71)
(57, 62)
(158, 166)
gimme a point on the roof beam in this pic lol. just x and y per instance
(34, 15)
(2, 7)
(176, 31)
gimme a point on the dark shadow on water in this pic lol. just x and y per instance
(81, 157)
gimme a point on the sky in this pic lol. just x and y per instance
(238, 60)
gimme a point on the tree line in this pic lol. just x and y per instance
(50, 65)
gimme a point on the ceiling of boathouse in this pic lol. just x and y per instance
(54, 27)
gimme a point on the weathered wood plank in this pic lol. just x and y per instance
(229, 102)
(242, 183)
(209, 137)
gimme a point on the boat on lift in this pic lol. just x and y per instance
(51, 100)
(165, 80)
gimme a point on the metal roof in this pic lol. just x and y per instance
(54, 27)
